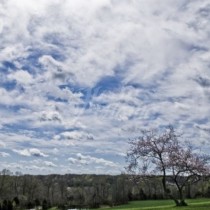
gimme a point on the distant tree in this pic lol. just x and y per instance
(62, 189)
(37, 202)
(44, 204)
(208, 192)
(5, 183)
(9, 205)
(30, 205)
(163, 154)
(17, 183)
(17, 201)
(5, 205)
(130, 195)
(142, 195)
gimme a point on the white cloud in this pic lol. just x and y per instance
(75, 135)
(87, 159)
(30, 152)
(4, 154)
(2, 144)
(24, 152)
(49, 164)
(21, 76)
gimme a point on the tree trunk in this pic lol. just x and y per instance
(181, 198)
(167, 192)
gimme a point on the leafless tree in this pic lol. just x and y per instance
(163, 154)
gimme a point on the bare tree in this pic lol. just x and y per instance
(155, 153)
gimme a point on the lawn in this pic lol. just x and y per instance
(193, 204)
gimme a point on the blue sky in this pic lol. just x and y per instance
(78, 78)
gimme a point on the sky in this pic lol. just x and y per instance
(79, 78)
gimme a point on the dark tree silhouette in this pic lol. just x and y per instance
(17, 201)
(9, 205)
(44, 204)
(5, 205)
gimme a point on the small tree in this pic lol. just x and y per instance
(154, 153)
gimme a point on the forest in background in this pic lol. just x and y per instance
(84, 191)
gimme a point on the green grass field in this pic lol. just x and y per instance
(194, 204)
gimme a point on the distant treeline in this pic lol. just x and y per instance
(73, 190)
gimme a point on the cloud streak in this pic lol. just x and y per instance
(31, 152)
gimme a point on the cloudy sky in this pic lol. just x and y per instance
(78, 78)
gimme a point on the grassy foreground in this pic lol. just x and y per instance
(193, 204)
